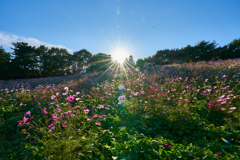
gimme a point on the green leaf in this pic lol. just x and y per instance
(136, 149)
(184, 142)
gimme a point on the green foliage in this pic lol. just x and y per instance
(175, 112)
(99, 62)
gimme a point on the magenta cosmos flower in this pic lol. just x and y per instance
(20, 123)
(218, 153)
(28, 113)
(70, 98)
(99, 124)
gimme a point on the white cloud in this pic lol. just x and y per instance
(6, 41)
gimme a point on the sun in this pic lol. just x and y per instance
(120, 55)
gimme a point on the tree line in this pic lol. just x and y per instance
(202, 51)
(34, 62)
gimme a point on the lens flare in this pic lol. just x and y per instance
(121, 87)
(224, 140)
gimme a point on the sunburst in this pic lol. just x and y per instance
(120, 55)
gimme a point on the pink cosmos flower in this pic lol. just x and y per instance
(44, 110)
(232, 108)
(34, 140)
(54, 118)
(107, 108)
(70, 98)
(62, 115)
(76, 129)
(20, 123)
(86, 111)
(69, 112)
(51, 125)
(101, 106)
(51, 129)
(218, 153)
(166, 144)
(88, 119)
(222, 97)
(94, 116)
(28, 113)
(63, 125)
(99, 124)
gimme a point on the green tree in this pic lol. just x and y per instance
(80, 60)
(187, 54)
(5, 64)
(204, 50)
(100, 61)
(58, 61)
(234, 48)
(44, 61)
(25, 62)
(129, 63)
(140, 63)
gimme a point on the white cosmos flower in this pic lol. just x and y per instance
(53, 96)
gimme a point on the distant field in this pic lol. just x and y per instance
(179, 111)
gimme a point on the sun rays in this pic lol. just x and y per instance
(120, 55)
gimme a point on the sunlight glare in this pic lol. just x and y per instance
(120, 56)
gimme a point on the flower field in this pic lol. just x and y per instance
(179, 111)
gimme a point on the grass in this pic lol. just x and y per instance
(171, 112)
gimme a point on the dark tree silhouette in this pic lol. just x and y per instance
(100, 61)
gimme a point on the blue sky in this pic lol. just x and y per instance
(139, 27)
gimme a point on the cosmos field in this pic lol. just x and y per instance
(180, 111)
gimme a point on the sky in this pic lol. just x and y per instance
(137, 27)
